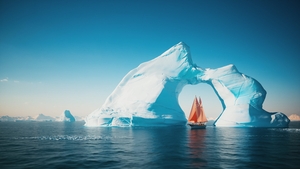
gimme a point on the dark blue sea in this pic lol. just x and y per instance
(71, 145)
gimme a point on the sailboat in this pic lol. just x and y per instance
(197, 118)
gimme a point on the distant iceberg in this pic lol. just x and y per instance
(66, 116)
(294, 117)
(42, 117)
(148, 95)
(7, 118)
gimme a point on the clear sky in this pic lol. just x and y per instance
(71, 54)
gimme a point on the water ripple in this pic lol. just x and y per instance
(65, 137)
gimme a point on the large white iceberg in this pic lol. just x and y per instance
(148, 95)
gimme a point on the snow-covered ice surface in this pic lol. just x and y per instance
(148, 95)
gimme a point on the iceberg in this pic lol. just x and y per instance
(242, 98)
(67, 117)
(7, 118)
(42, 117)
(64, 117)
(294, 117)
(148, 95)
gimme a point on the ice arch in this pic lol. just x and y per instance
(242, 98)
(148, 95)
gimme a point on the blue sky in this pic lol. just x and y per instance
(58, 55)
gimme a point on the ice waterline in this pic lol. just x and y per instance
(148, 95)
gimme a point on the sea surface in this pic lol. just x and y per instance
(71, 145)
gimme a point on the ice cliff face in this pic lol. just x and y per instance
(148, 95)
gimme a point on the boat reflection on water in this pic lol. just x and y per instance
(196, 144)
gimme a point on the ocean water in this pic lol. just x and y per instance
(71, 145)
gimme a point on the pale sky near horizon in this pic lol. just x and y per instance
(71, 54)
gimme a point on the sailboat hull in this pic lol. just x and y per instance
(197, 126)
